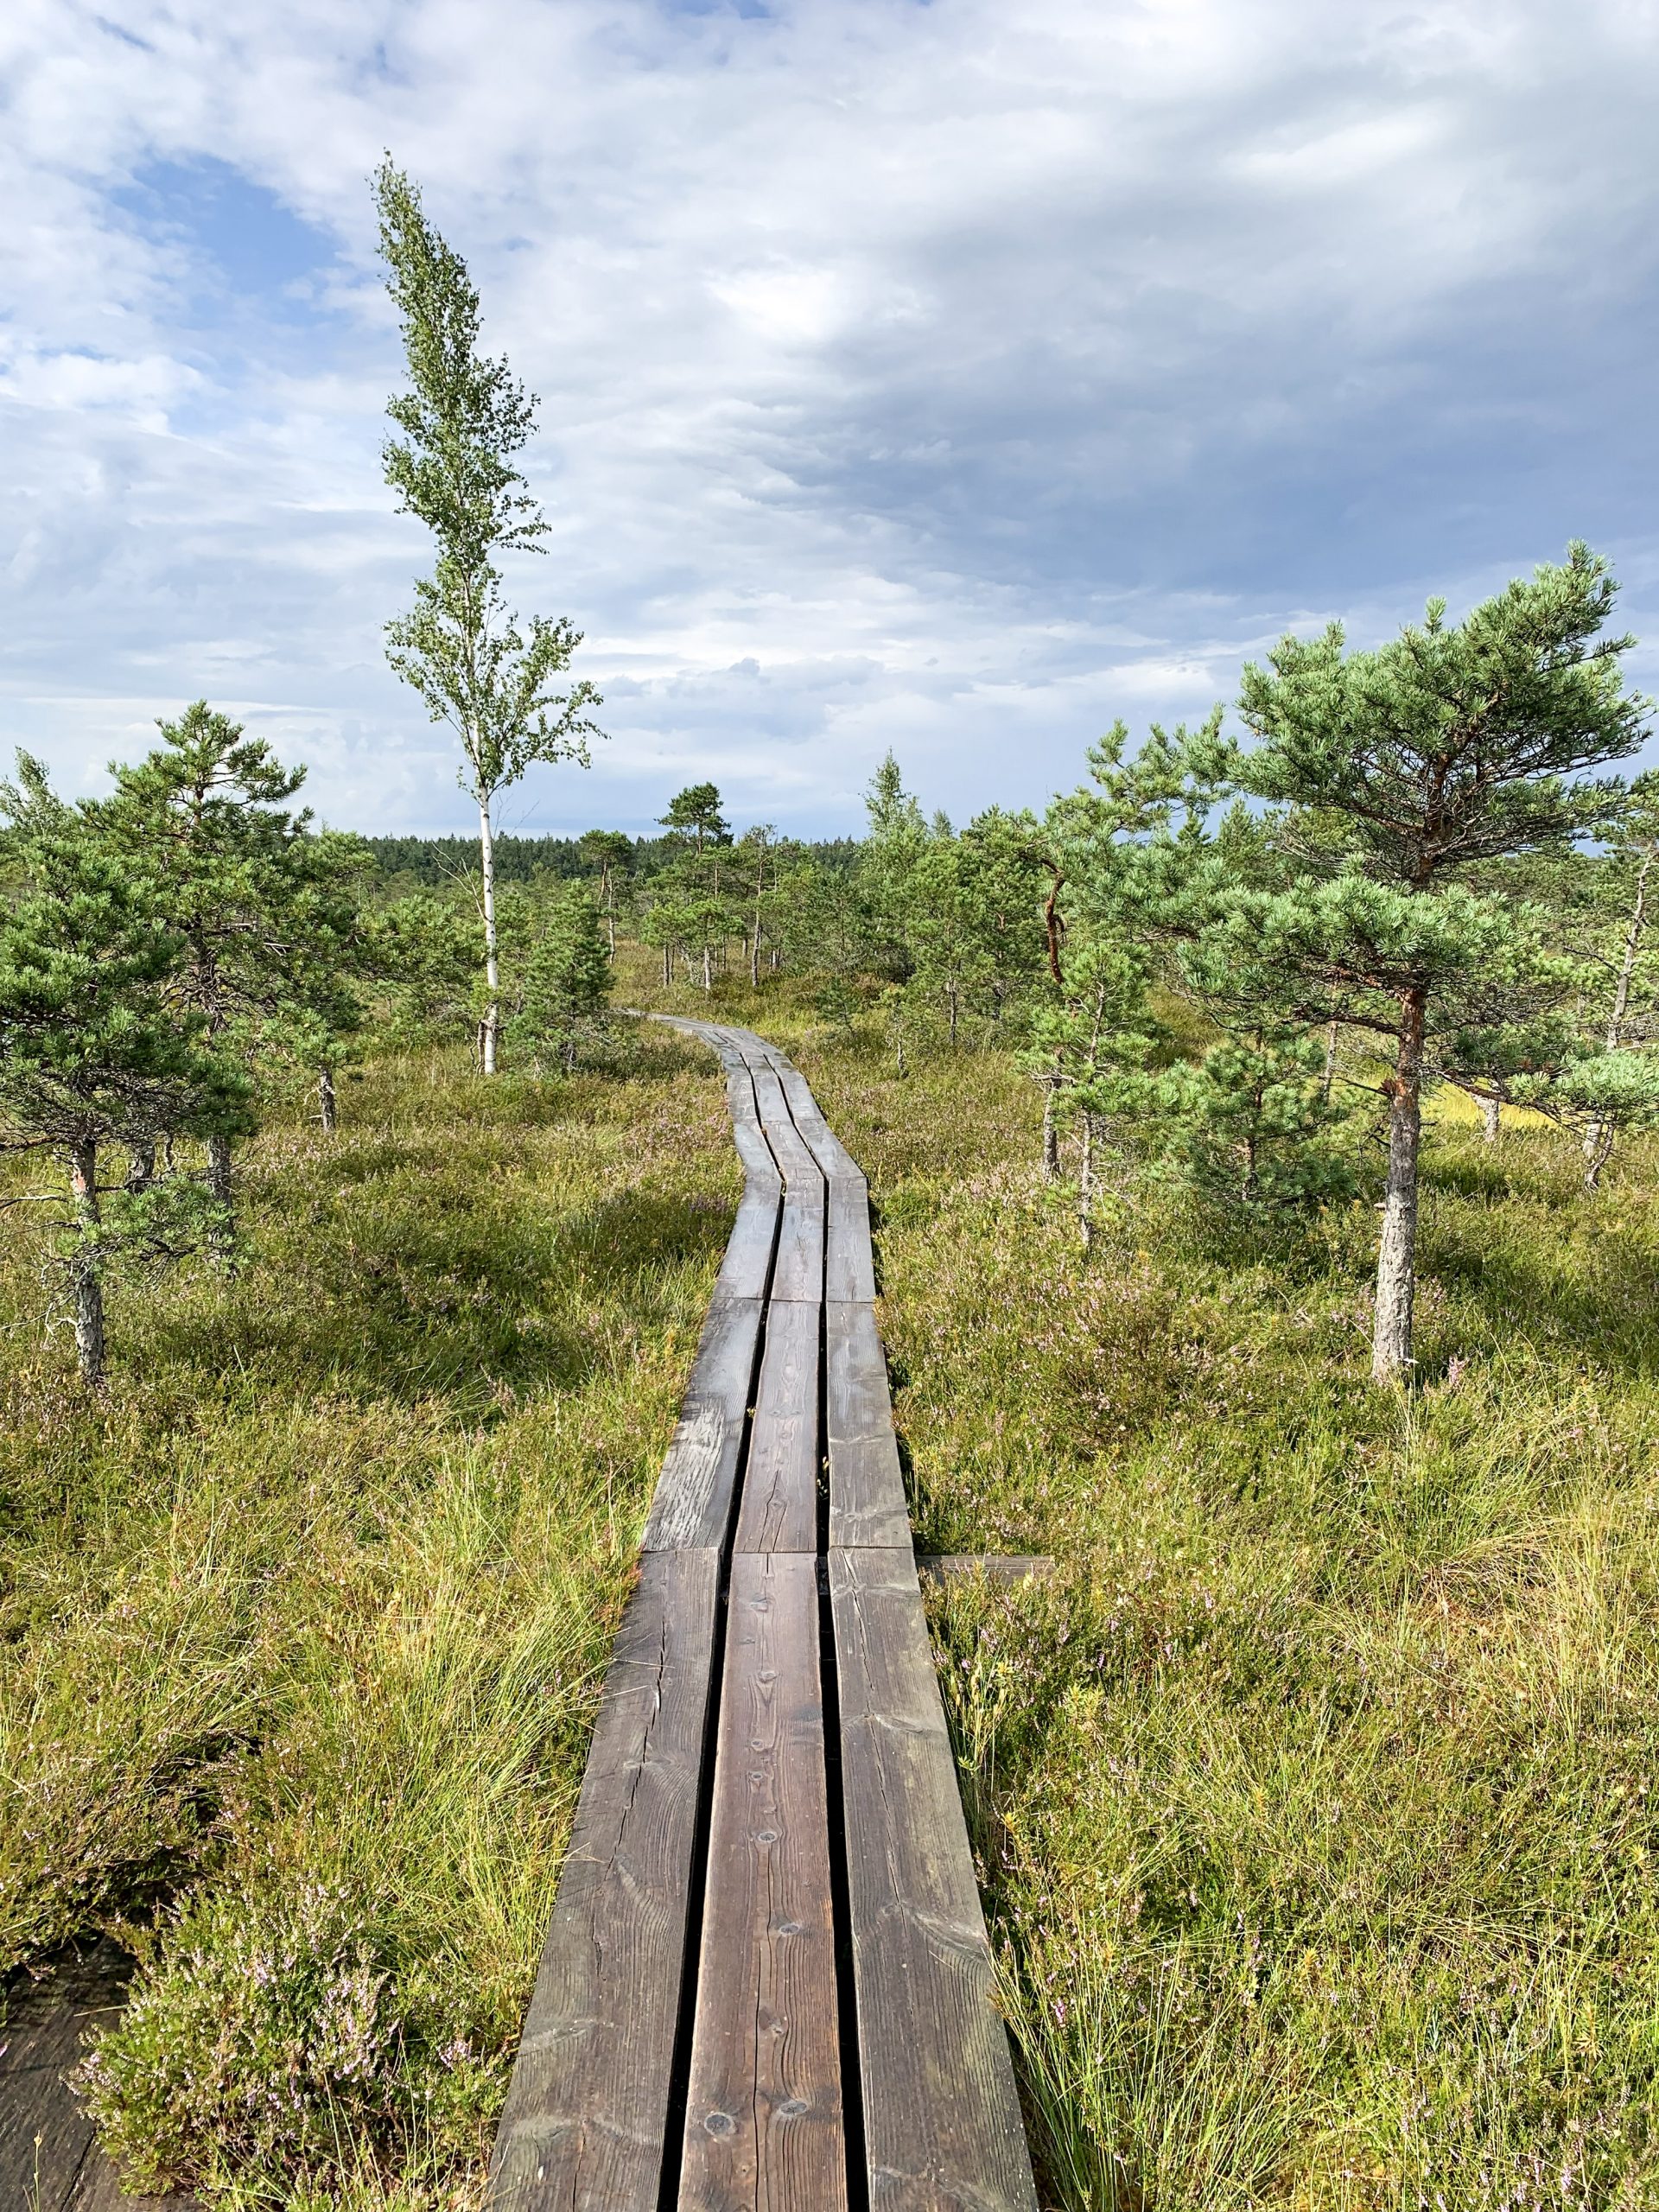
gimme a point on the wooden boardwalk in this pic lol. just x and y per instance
(767, 1984)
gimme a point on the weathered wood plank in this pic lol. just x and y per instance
(867, 1483)
(746, 1267)
(763, 2128)
(691, 1507)
(780, 1508)
(798, 1271)
(759, 1168)
(942, 2122)
(48, 2159)
(587, 2110)
(848, 1261)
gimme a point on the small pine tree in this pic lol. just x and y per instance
(1252, 1125)
(94, 1052)
(265, 911)
(567, 981)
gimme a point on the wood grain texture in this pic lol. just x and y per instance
(746, 1268)
(691, 1506)
(798, 1272)
(586, 2109)
(49, 2161)
(763, 2129)
(848, 1261)
(794, 1155)
(780, 1508)
(942, 2123)
(867, 1483)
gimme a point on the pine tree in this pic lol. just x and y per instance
(1405, 770)
(463, 422)
(887, 871)
(694, 813)
(95, 1051)
(607, 853)
(567, 980)
(265, 912)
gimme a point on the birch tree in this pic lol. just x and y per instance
(463, 422)
(1635, 883)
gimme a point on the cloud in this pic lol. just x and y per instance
(933, 376)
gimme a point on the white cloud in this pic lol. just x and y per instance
(936, 376)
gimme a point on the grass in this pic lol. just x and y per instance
(1314, 1793)
(301, 1629)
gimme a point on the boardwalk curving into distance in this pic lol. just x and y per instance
(767, 1983)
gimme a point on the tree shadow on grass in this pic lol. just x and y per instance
(483, 1307)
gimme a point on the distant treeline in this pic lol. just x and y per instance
(528, 860)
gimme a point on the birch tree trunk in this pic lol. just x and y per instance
(326, 1110)
(86, 1275)
(1598, 1137)
(1050, 1131)
(708, 979)
(1086, 1184)
(492, 951)
(141, 1167)
(1491, 1117)
(1330, 1075)
(1396, 1259)
(219, 1190)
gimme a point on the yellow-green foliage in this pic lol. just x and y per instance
(301, 1630)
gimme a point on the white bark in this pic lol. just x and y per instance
(1491, 1116)
(1396, 1259)
(1086, 1184)
(88, 1281)
(492, 952)
(1598, 1137)
(1050, 1131)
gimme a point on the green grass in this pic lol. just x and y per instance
(1314, 1793)
(300, 1629)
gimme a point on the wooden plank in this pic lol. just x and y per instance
(763, 2127)
(759, 1168)
(586, 2109)
(867, 1483)
(779, 1510)
(746, 1266)
(942, 2122)
(798, 1096)
(691, 1506)
(850, 1262)
(798, 1272)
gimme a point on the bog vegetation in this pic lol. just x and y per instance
(1261, 1137)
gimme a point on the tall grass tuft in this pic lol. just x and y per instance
(302, 1628)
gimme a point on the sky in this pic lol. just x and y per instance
(950, 378)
